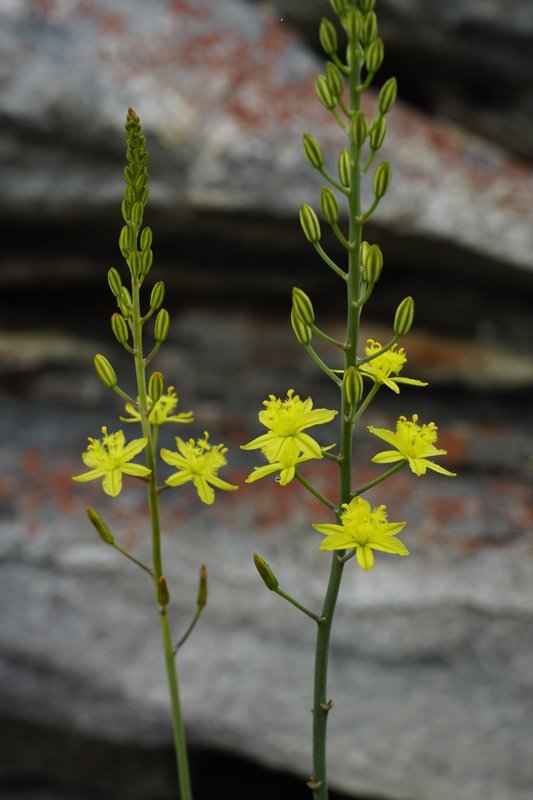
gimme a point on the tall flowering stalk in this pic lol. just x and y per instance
(358, 530)
(152, 406)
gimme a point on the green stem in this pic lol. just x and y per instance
(324, 256)
(310, 488)
(324, 367)
(189, 629)
(153, 503)
(326, 338)
(382, 477)
(366, 402)
(321, 707)
(299, 606)
(133, 559)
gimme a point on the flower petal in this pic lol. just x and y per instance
(89, 476)
(179, 478)
(365, 558)
(388, 457)
(112, 483)
(382, 433)
(262, 472)
(220, 484)
(328, 528)
(337, 541)
(137, 470)
(133, 448)
(438, 468)
(205, 492)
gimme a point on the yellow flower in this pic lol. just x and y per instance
(161, 411)
(366, 529)
(108, 458)
(286, 420)
(388, 364)
(414, 443)
(286, 468)
(199, 462)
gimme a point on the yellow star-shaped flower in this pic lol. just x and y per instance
(161, 411)
(364, 528)
(414, 443)
(108, 458)
(199, 462)
(385, 367)
(286, 469)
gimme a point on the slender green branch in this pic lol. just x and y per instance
(296, 604)
(333, 182)
(318, 361)
(125, 396)
(152, 353)
(324, 256)
(189, 630)
(370, 211)
(338, 120)
(376, 481)
(369, 161)
(342, 239)
(364, 405)
(133, 559)
(336, 60)
(350, 554)
(326, 338)
(314, 491)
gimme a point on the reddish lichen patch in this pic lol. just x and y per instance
(112, 24)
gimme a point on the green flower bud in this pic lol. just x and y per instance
(264, 570)
(129, 195)
(374, 55)
(313, 151)
(324, 94)
(302, 331)
(334, 79)
(163, 595)
(344, 167)
(358, 128)
(367, 5)
(157, 296)
(387, 95)
(114, 281)
(381, 180)
(124, 302)
(125, 209)
(353, 385)
(156, 386)
(372, 264)
(134, 263)
(137, 212)
(337, 6)
(162, 325)
(105, 371)
(302, 306)
(201, 600)
(405, 314)
(147, 259)
(328, 36)
(119, 326)
(126, 241)
(377, 132)
(369, 28)
(364, 251)
(329, 205)
(146, 239)
(353, 24)
(101, 528)
(310, 224)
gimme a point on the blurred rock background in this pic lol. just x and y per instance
(431, 661)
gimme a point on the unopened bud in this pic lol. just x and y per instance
(372, 264)
(147, 259)
(125, 209)
(334, 79)
(337, 6)
(163, 595)
(124, 302)
(114, 281)
(370, 28)
(353, 385)
(364, 251)
(134, 263)
(101, 528)
(374, 55)
(329, 205)
(119, 326)
(158, 295)
(377, 132)
(313, 151)
(162, 325)
(201, 600)
(105, 371)
(328, 36)
(387, 95)
(405, 314)
(344, 167)
(381, 180)
(137, 211)
(302, 306)
(324, 93)
(146, 238)
(303, 332)
(156, 386)
(126, 241)
(352, 24)
(358, 128)
(310, 224)
(367, 5)
(264, 570)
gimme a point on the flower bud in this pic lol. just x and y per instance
(364, 251)
(337, 6)
(310, 224)
(352, 24)
(268, 577)
(329, 205)
(381, 180)
(147, 259)
(334, 79)
(114, 281)
(367, 5)
(125, 209)
(324, 93)
(158, 295)
(146, 239)
(126, 241)
(134, 263)
(302, 331)
(201, 600)
(328, 36)
(119, 326)
(344, 167)
(124, 302)
(387, 95)
(162, 325)
(370, 28)
(313, 151)
(353, 385)
(405, 314)
(105, 371)
(372, 264)
(377, 132)
(101, 528)
(358, 128)
(156, 386)
(302, 306)
(163, 595)
(374, 55)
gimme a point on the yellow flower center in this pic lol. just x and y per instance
(361, 521)
(284, 417)
(108, 451)
(391, 362)
(413, 438)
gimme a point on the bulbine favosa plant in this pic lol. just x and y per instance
(357, 528)
(151, 405)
